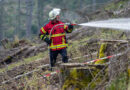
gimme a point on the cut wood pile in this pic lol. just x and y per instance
(20, 51)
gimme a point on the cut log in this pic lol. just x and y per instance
(13, 54)
(114, 41)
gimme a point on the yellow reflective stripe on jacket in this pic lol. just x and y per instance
(63, 40)
(41, 36)
(58, 46)
(65, 26)
(57, 35)
(43, 30)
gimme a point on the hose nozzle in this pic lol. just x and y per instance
(74, 24)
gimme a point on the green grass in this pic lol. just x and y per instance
(33, 58)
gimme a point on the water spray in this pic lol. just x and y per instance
(118, 24)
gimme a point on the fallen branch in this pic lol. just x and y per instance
(13, 54)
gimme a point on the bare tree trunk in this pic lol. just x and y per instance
(1, 19)
(18, 18)
(39, 13)
(19, 8)
(29, 7)
(94, 5)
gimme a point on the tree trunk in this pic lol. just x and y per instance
(18, 18)
(1, 19)
(40, 13)
(29, 7)
(94, 5)
(19, 8)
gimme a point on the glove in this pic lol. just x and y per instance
(70, 26)
(47, 40)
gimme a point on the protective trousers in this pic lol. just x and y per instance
(54, 54)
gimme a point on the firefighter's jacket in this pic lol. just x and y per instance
(57, 33)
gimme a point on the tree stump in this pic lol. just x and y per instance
(77, 76)
(118, 65)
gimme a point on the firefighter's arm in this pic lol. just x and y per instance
(43, 36)
(68, 28)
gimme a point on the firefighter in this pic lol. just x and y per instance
(54, 34)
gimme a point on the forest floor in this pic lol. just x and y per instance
(24, 56)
